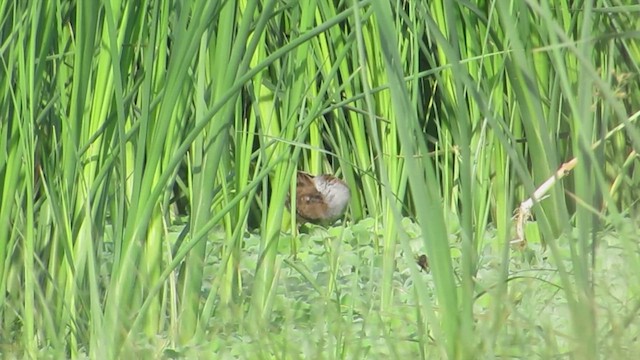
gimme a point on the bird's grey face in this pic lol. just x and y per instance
(336, 194)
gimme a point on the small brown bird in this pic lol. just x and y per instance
(320, 199)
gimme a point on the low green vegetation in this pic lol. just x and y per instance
(147, 150)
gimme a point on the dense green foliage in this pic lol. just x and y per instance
(147, 150)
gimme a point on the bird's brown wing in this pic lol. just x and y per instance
(310, 203)
(311, 207)
(304, 179)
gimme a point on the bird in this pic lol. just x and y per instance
(320, 199)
